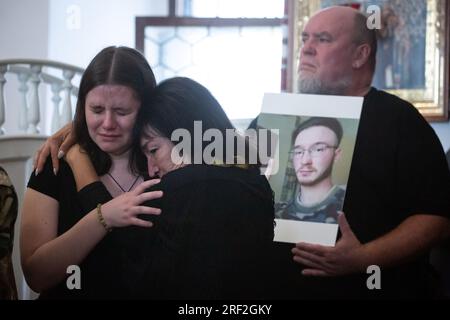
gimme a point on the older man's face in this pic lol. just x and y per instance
(326, 54)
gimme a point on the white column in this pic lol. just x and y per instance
(23, 107)
(2, 98)
(66, 115)
(34, 110)
(56, 99)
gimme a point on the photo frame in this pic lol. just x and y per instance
(311, 165)
(413, 54)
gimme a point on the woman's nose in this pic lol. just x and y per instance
(109, 122)
(151, 168)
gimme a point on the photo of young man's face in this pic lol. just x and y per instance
(316, 139)
(314, 152)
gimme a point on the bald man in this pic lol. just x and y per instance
(397, 203)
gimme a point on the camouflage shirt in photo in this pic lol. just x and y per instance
(324, 211)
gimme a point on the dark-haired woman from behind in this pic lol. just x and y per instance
(218, 216)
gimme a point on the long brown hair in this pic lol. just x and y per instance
(119, 66)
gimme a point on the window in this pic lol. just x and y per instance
(237, 59)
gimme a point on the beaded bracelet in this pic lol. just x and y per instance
(101, 219)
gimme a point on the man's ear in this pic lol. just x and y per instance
(361, 55)
(337, 154)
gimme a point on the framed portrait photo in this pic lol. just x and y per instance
(316, 139)
(413, 54)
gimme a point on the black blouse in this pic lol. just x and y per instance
(98, 269)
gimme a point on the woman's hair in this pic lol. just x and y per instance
(113, 66)
(177, 103)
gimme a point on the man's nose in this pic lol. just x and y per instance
(306, 158)
(308, 47)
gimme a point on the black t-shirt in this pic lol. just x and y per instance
(398, 170)
(98, 268)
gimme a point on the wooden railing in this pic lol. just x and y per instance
(31, 74)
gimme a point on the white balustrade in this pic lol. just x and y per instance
(32, 75)
(2, 98)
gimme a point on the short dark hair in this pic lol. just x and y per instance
(113, 66)
(362, 34)
(177, 103)
(331, 123)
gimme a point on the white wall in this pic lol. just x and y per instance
(443, 131)
(76, 39)
(23, 34)
(24, 29)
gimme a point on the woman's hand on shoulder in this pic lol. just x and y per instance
(123, 210)
(56, 146)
